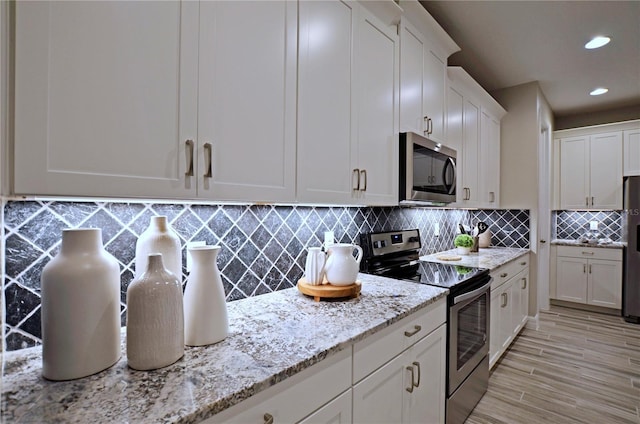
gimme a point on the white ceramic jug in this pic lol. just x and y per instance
(341, 268)
(314, 266)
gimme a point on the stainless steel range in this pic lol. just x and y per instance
(395, 254)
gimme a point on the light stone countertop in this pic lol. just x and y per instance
(489, 258)
(566, 242)
(272, 336)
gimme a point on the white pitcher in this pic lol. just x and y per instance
(341, 268)
(314, 266)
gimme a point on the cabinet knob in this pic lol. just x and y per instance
(416, 330)
(188, 151)
(504, 275)
(268, 418)
(543, 241)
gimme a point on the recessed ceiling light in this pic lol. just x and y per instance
(599, 91)
(597, 42)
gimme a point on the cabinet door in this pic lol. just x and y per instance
(412, 71)
(490, 160)
(471, 147)
(247, 100)
(605, 283)
(606, 171)
(574, 173)
(631, 152)
(434, 93)
(379, 397)
(571, 279)
(495, 341)
(426, 404)
(105, 97)
(377, 65)
(338, 411)
(505, 313)
(325, 101)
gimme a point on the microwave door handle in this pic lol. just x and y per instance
(451, 188)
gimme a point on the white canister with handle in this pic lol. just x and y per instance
(314, 266)
(341, 267)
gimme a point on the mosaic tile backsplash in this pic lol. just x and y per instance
(571, 224)
(263, 246)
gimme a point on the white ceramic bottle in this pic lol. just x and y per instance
(80, 308)
(159, 238)
(205, 306)
(155, 318)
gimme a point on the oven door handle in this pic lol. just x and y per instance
(472, 294)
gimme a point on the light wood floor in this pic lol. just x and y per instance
(570, 366)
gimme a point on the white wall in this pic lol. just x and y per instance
(527, 112)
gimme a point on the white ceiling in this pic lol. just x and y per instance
(507, 43)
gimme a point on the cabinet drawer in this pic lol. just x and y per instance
(375, 351)
(295, 398)
(509, 270)
(589, 253)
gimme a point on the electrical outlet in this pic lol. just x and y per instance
(328, 239)
(436, 229)
(593, 225)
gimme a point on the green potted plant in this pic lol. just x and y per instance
(463, 242)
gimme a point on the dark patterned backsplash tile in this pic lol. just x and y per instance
(571, 224)
(263, 246)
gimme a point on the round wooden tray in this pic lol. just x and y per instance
(328, 291)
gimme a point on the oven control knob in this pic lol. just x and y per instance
(379, 244)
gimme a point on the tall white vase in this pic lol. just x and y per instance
(205, 307)
(159, 238)
(155, 318)
(80, 308)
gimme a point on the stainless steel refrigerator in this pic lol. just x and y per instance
(631, 284)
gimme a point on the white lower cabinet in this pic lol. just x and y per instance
(509, 305)
(394, 376)
(338, 411)
(589, 276)
(408, 389)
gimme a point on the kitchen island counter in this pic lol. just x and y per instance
(489, 258)
(272, 337)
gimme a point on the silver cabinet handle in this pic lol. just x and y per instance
(592, 201)
(268, 418)
(523, 263)
(417, 365)
(503, 275)
(587, 253)
(524, 283)
(207, 160)
(543, 241)
(504, 300)
(586, 201)
(589, 268)
(363, 172)
(188, 151)
(356, 171)
(410, 388)
(584, 268)
(493, 196)
(416, 330)
(426, 125)
(430, 121)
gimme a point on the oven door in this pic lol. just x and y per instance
(468, 333)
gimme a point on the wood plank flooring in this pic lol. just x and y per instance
(568, 366)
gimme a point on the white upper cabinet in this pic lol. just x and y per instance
(473, 129)
(632, 151)
(247, 100)
(348, 103)
(424, 49)
(105, 98)
(325, 101)
(167, 99)
(591, 171)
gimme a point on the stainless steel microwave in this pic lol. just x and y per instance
(427, 171)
